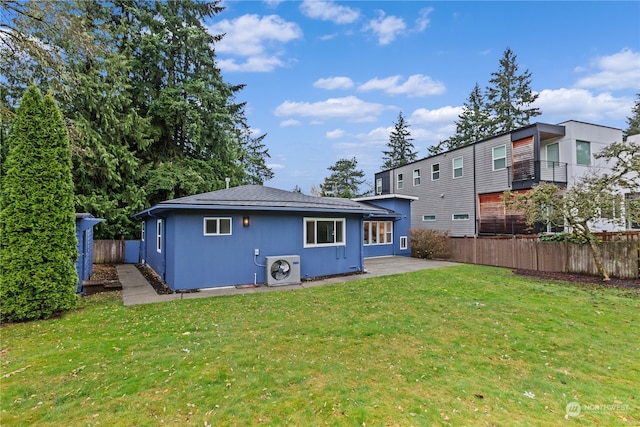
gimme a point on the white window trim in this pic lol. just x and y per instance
(425, 216)
(403, 242)
(453, 167)
(144, 223)
(159, 236)
(217, 219)
(341, 221)
(379, 186)
(494, 158)
(453, 217)
(388, 231)
(400, 181)
(416, 176)
(438, 172)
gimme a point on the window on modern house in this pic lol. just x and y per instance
(583, 153)
(217, 226)
(553, 155)
(416, 177)
(428, 217)
(379, 186)
(435, 172)
(377, 232)
(142, 230)
(499, 157)
(400, 185)
(159, 235)
(460, 217)
(457, 167)
(403, 242)
(324, 232)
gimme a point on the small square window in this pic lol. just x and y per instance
(217, 226)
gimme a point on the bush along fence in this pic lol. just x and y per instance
(116, 251)
(620, 253)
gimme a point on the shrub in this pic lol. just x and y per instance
(430, 243)
(37, 220)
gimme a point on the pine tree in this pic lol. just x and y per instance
(345, 180)
(634, 120)
(401, 150)
(509, 95)
(474, 124)
(37, 221)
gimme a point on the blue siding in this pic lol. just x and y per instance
(84, 236)
(401, 228)
(191, 260)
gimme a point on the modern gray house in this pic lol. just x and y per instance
(460, 191)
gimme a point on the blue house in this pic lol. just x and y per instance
(255, 235)
(84, 234)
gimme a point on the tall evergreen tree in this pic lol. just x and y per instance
(177, 85)
(37, 224)
(633, 121)
(149, 114)
(474, 124)
(509, 95)
(345, 180)
(401, 150)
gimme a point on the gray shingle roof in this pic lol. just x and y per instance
(258, 197)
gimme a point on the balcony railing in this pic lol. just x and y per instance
(538, 170)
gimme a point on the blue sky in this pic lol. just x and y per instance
(327, 79)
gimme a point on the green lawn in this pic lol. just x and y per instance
(465, 345)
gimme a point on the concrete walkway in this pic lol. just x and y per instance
(137, 290)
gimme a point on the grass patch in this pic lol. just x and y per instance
(465, 345)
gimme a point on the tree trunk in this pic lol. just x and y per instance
(597, 257)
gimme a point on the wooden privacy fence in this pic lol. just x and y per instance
(108, 251)
(116, 251)
(621, 255)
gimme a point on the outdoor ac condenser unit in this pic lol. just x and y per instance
(283, 270)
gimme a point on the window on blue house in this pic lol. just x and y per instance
(159, 236)
(378, 232)
(217, 226)
(324, 232)
(403, 242)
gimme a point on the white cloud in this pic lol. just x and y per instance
(350, 108)
(580, 104)
(258, 39)
(441, 115)
(385, 27)
(423, 20)
(331, 83)
(415, 86)
(615, 72)
(275, 166)
(329, 11)
(335, 134)
(289, 123)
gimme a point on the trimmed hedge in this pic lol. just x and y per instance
(37, 221)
